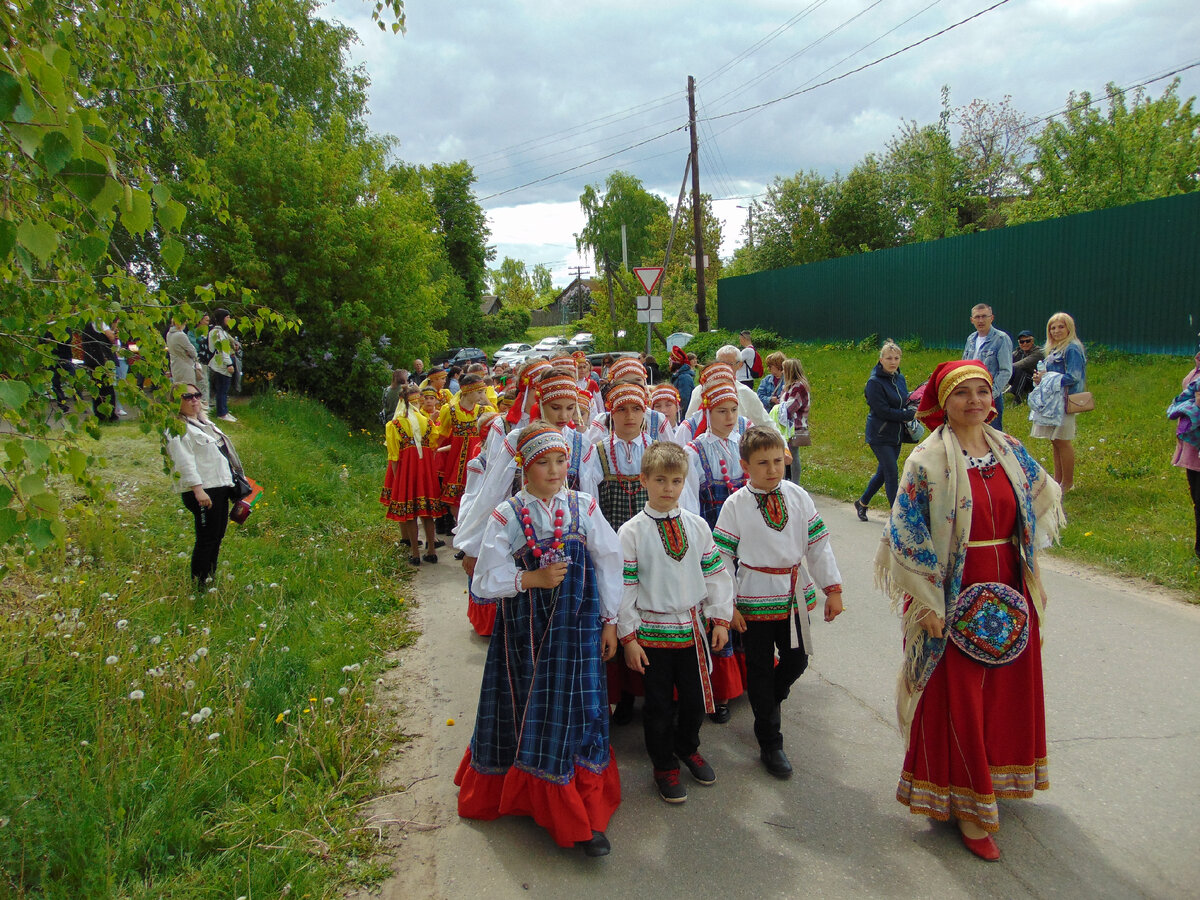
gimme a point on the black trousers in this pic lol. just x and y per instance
(210, 530)
(767, 684)
(672, 729)
(1193, 478)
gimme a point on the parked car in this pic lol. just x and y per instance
(551, 346)
(583, 339)
(508, 352)
(596, 360)
(464, 356)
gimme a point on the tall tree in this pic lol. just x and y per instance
(865, 213)
(1090, 159)
(511, 283)
(927, 176)
(790, 229)
(624, 201)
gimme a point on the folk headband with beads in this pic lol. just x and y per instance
(945, 378)
(560, 387)
(626, 367)
(721, 392)
(664, 392)
(533, 445)
(579, 356)
(533, 371)
(716, 372)
(624, 394)
(563, 362)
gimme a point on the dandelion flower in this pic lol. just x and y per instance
(285, 649)
(112, 660)
(196, 718)
(74, 654)
(156, 640)
(205, 712)
(214, 735)
(449, 721)
(84, 744)
(279, 718)
(343, 691)
(202, 652)
(189, 684)
(1087, 534)
(328, 701)
(212, 590)
(136, 695)
(262, 624)
(122, 624)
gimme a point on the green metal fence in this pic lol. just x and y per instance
(1129, 276)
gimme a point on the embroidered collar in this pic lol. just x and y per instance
(760, 491)
(655, 514)
(525, 498)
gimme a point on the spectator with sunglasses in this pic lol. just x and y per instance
(1025, 359)
(202, 458)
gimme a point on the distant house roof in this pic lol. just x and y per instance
(572, 295)
(489, 304)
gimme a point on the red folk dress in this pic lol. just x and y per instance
(410, 487)
(457, 430)
(979, 732)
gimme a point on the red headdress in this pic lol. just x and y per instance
(532, 370)
(628, 392)
(945, 378)
(627, 367)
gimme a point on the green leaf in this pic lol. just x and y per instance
(32, 484)
(172, 254)
(8, 237)
(91, 249)
(38, 452)
(16, 453)
(136, 214)
(9, 524)
(13, 394)
(161, 194)
(6, 496)
(77, 462)
(85, 178)
(40, 533)
(110, 195)
(28, 137)
(45, 503)
(56, 152)
(39, 238)
(170, 214)
(10, 95)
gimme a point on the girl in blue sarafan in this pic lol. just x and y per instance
(1064, 355)
(540, 746)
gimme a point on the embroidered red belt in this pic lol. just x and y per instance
(793, 605)
(703, 662)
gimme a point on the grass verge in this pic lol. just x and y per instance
(1129, 513)
(159, 744)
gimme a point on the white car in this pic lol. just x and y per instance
(512, 352)
(583, 339)
(551, 346)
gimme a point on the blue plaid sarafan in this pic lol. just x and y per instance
(543, 705)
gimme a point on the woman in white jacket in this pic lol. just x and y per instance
(203, 475)
(220, 342)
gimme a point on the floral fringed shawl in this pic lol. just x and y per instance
(924, 544)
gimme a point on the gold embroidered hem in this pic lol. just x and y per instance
(940, 802)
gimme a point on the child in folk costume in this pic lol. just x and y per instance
(587, 382)
(611, 474)
(768, 532)
(697, 422)
(664, 400)
(457, 437)
(676, 589)
(655, 424)
(714, 473)
(517, 412)
(540, 746)
(431, 403)
(481, 611)
(556, 396)
(410, 488)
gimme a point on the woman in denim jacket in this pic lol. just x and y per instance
(1064, 354)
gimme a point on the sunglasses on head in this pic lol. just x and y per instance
(195, 396)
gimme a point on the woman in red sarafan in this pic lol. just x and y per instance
(973, 508)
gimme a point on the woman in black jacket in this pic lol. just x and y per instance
(886, 395)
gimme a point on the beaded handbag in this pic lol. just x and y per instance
(991, 623)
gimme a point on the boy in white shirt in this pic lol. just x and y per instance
(676, 587)
(770, 530)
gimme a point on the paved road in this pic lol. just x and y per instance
(1122, 683)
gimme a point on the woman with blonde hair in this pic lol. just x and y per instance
(886, 393)
(1064, 355)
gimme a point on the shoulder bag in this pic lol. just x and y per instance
(1080, 403)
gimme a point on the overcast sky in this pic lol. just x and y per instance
(527, 90)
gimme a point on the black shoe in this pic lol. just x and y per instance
(776, 762)
(437, 545)
(669, 788)
(430, 557)
(721, 714)
(623, 714)
(861, 509)
(460, 554)
(700, 769)
(597, 846)
(405, 542)
(414, 560)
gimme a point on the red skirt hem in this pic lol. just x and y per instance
(728, 677)
(570, 812)
(482, 617)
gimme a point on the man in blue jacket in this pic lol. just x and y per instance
(993, 348)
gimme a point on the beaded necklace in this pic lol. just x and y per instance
(555, 553)
(723, 464)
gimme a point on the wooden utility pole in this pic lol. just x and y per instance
(612, 302)
(697, 210)
(578, 272)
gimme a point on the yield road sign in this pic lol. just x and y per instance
(649, 276)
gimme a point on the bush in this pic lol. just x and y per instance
(706, 345)
(502, 327)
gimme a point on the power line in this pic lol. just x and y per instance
(762, 42)
(861, 68)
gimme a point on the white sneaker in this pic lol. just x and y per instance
(228, 417)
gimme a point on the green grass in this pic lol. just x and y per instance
(103, 795)
(1129, 513)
